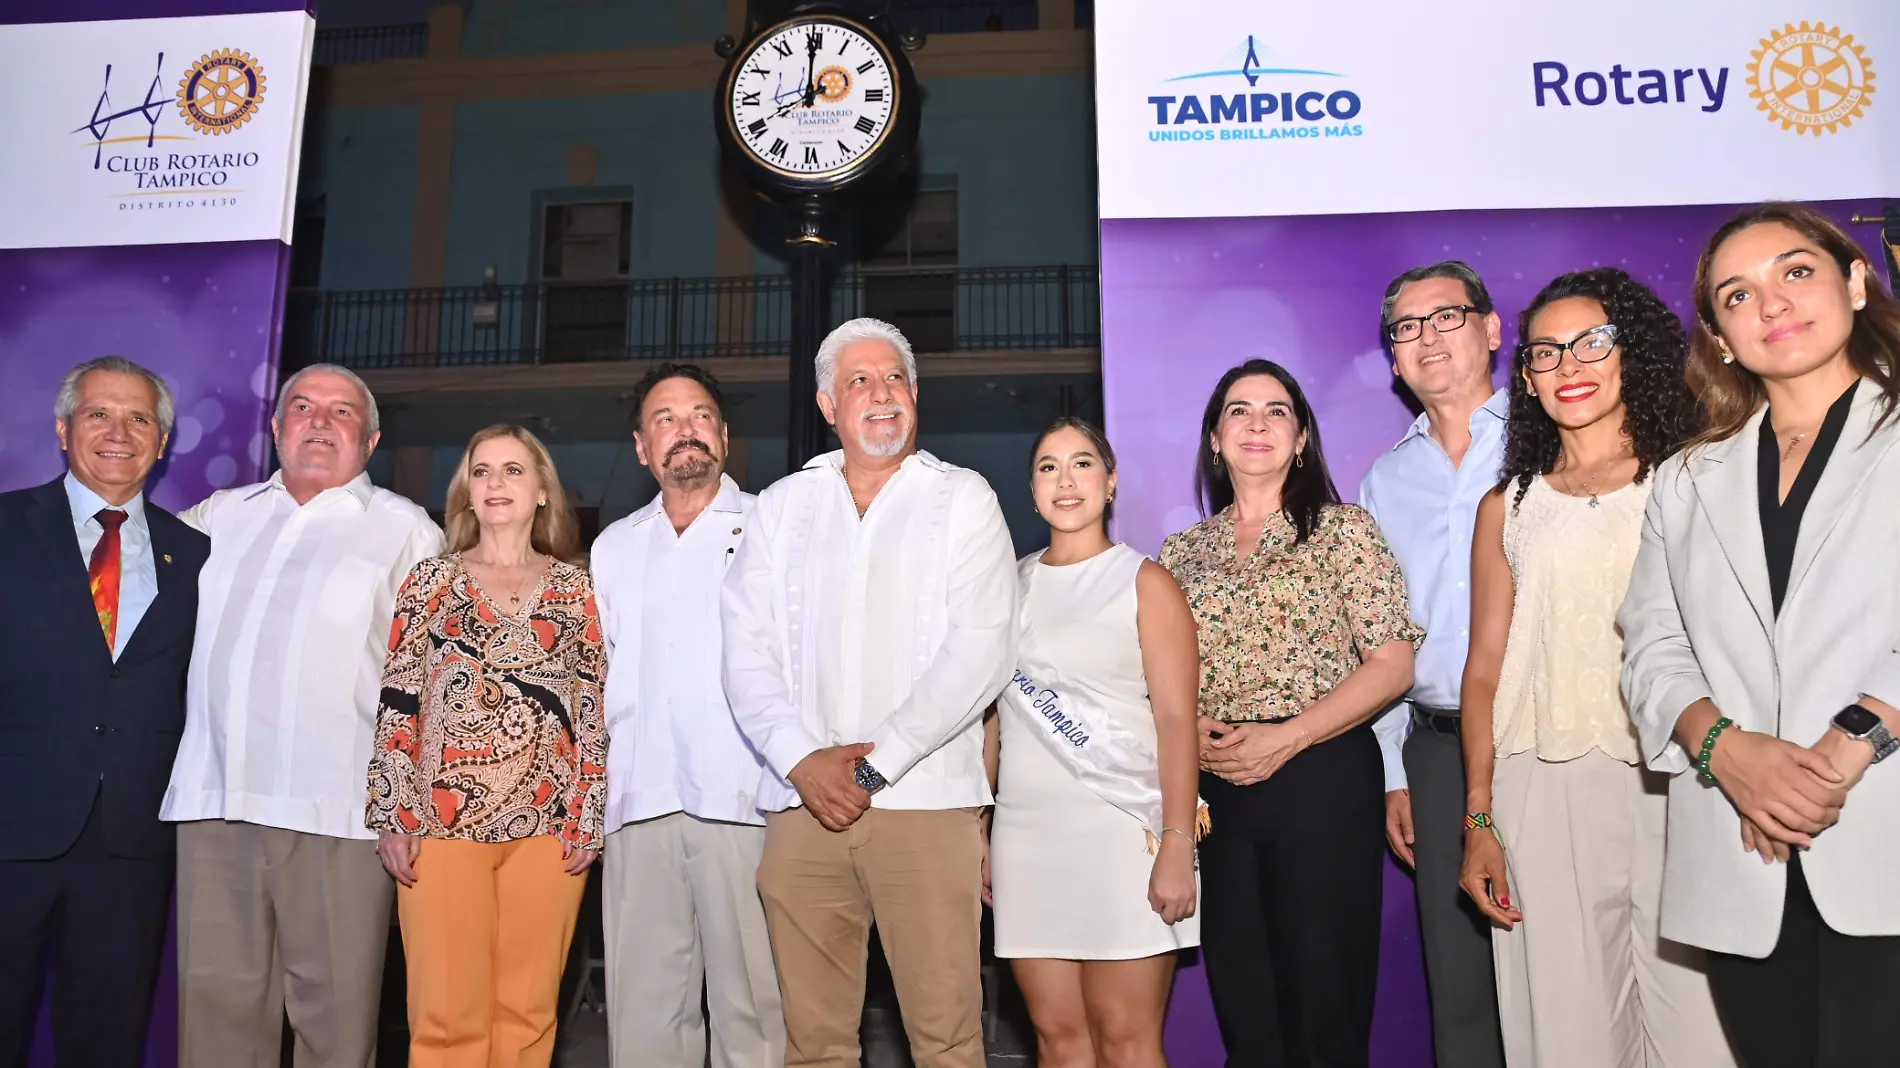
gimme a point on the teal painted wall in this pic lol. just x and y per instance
(1018, 150)
(367, 178)
(523, 27)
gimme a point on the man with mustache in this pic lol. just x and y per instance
(680, 896)
(869, 619)
(283, 906)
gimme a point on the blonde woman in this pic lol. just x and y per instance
(487, 786)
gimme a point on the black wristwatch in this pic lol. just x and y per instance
(871, 780)
(1861, 724)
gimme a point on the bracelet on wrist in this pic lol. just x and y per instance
(1479, 821)
(1708, 751)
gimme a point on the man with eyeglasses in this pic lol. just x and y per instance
(1443, 332)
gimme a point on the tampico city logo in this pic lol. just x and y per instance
(1294, 103)
(1812, 78)
(221, 92)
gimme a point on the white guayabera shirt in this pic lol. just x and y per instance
(294, 611)
(897, 628)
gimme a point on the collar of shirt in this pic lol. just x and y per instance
(359, 489)
(86, 505)
(1498, 408)
(727, 500)
(836, 459)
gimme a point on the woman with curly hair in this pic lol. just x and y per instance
(1552, 763)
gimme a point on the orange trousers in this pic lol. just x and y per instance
(485, 932)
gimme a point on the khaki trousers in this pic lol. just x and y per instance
(1586, 979)
(682, 912)
(485, 932)
(274, 923)
(918, 876)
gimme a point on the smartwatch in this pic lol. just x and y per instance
(871, 781)
(1861, 724)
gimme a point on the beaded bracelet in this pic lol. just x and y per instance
(1708, 750)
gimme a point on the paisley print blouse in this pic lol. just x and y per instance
(491, 727)
(1282, 627)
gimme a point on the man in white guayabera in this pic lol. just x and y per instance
(869, 619)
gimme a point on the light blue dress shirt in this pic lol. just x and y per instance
(138, 571)
(1426, 507)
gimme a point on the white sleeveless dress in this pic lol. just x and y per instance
(1069, 871)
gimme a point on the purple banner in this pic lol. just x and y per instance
(206, 317)
(1185, 299)
(23, 12)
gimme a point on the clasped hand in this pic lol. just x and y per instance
(1247, 753)
(1787, 794)
(826, 781)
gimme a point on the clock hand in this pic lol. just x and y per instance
(812, 44)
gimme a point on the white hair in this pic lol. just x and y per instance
(850, 334)
(372, 418)
(67, 401)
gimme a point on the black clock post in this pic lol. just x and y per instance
(805, 434)
(818, 101)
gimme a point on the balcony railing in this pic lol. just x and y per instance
(370, 44)
(969, 309)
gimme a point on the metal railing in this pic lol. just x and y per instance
(370, 44)
(968, 309)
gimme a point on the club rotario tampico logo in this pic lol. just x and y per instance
(1812, 78)
(221, 92)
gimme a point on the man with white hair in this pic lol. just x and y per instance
(869, 619)
(101, 588)
(283, 906)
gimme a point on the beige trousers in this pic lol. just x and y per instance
(682, 912)
(1586, 980)
(918, 876)
(274, 923)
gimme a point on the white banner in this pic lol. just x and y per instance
(151, 131)
(1226, 108)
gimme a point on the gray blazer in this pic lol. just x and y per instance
(1699, 622)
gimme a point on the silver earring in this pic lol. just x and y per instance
(1726, 357)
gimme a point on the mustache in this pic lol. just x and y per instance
(887, 409)
(688, 443)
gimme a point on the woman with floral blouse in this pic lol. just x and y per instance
(487, 786)
(1305, 635)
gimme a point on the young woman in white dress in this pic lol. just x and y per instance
(1092, 853)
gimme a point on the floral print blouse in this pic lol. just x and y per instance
(1281, 628)
(491, 727)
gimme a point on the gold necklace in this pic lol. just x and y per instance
(514, 594)
(1792, 442)
(1589, 484)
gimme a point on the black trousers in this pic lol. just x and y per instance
(1291, 882)
(1822, 999)
(101, 921)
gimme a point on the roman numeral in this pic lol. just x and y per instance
(758, 70)
(778, 148)
(864, 124)
(811, 156)
(865, 67)
(845, 46)
(844, 150)
(757, 127)
(749, 100)
(872, 96)
(783, 48)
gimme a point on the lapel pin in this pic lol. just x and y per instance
(168, 558)
(737, 530)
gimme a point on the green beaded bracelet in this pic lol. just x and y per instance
(1708, 750)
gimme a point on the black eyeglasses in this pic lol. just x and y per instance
(1444, 320)
(1588, 347)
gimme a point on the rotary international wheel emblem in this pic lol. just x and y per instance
(1811, 78)
(834, 84)
(221, 92)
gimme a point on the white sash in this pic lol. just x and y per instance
(1111, 760)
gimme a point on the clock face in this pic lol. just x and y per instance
(813, 98)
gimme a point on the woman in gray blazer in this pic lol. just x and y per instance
(1762, 641)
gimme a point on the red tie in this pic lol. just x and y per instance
(104, 573)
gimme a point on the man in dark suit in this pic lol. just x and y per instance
(102, 597)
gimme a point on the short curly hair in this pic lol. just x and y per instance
(1660, 414)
